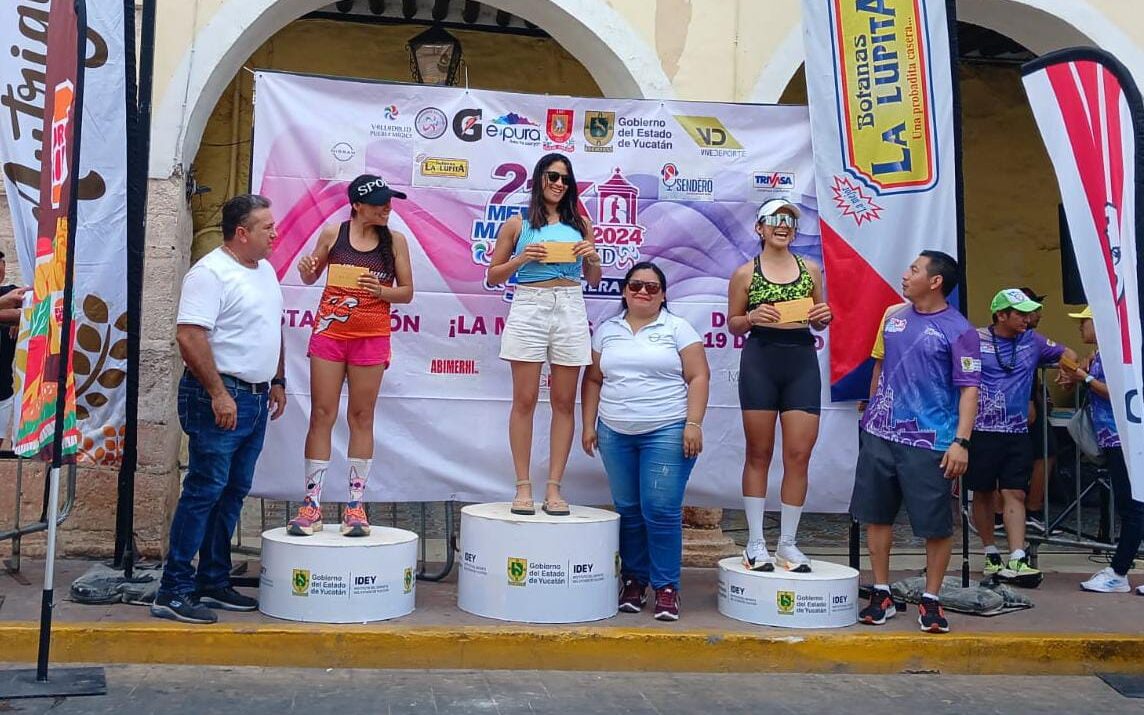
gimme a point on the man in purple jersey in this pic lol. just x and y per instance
(1001, 455)
(915, 432)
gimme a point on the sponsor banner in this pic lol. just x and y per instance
(1091, 118)
(882, 101)
(653, 185)
(100, 301)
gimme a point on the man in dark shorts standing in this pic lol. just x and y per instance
(1001, 454)
(915, 432)
(1044, 442)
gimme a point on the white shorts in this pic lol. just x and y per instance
(547, 324)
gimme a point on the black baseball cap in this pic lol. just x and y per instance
(1032, 294)
(371, 189)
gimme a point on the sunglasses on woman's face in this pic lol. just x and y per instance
(555, 177)
(779, 219)
(651, 287)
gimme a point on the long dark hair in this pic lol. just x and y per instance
(568, 208)
(384, 245)
(641, 266)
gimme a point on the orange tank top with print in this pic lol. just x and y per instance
(347, 312)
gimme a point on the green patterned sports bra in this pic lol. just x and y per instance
(763, 290)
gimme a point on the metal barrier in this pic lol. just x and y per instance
(19, 531)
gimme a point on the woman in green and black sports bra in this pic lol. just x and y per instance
(778, 378)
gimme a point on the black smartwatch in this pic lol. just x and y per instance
(278, 382)
(962, 441)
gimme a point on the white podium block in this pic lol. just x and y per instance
(539, 569)
(827, 597)
(330, 578)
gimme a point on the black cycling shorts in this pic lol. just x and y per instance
(778, 371)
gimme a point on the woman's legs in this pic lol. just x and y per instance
(562, 398)
(663, 474)
(1131, 512)
(759, 428)
(525, 392)
(326, 378)
(620, 454)
(364, 385)
(800, 432)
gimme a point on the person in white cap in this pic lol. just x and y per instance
(778, 376)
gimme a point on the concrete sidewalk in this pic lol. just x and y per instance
(1068, 632)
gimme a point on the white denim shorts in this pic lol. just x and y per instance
(547, 324)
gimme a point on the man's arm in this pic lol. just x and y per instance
(278, 392)
(197, 354)
(957, 457)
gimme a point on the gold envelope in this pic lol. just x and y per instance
(794, 311)
(1067, 364)
(342, 275)
(559, 252)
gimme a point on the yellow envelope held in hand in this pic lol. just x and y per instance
(559, 252)
(342, 275)
(794, 311)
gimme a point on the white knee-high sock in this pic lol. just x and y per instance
(788, 523)
(359, 475)
(754, 508)
(315, 473)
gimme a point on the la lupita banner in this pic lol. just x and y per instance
(1091, 118)
(674, 182)
(100, 351)
(882, 100)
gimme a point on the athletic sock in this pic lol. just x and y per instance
(788, 524)
(927, 594)
(359, 475)
(315, 473)
(881, 587)
(992, 549)
(1017, 554)
(754, 507)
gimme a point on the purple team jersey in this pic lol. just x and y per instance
(1008, 366)
(928, 358)
(1103, 419)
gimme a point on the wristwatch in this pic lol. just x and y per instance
(278, 382)
(961, 441)
(1088, 379)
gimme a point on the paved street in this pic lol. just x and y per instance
(259, 691)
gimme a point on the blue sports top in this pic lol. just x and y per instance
(535, 271)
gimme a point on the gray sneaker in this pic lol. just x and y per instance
(185, 609)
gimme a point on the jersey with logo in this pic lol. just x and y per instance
(928, 358)
(346, 313)
(1100, 409)
(1008, 366)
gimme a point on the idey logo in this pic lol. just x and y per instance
(467, 125)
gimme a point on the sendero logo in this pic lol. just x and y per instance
(676, 187)
(599, 129)
(889, 133)
(448, 168)
(712, 137)
(300, 582)
(517, 571)
(785, 602)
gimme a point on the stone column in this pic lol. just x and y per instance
(704, 542)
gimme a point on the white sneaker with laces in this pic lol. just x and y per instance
(756, 557)
(1140, 590)
(1107, 581)
(789, 557)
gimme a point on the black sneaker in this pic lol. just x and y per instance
(931, 616)
(881, 607)
(633, 596)
(227, 599)
(186, 609)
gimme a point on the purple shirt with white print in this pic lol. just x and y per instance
(929, 357)
(1008, 366)
(1100, 409)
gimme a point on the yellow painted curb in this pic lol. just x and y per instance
(603, 649)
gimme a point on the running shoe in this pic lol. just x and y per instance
(993, 565)
(1107, 581)
(633, 596)
(228, 599)
(931, 616)
(308, 521)
(666, 604)
(790, 558)
(354, 520)
(756, 557)
(185, 609)
(880, 609)
(1020, 573)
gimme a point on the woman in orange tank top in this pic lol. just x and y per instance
(368, 269)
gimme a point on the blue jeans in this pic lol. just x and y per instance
(648, 473)
(219, 474)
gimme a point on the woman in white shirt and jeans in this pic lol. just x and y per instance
(644, 397)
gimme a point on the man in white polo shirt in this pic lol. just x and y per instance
(230, 336)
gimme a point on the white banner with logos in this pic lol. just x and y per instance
(101, 230)
(673, 182)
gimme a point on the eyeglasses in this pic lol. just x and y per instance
(652, 288)
(555, 177)
(779, 219)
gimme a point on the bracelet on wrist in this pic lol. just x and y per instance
(693, 424)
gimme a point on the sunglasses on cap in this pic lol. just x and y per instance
(651, 287)
(779, 219)
(555, 177)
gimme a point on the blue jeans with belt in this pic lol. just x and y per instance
(648, 473)
(219, 474)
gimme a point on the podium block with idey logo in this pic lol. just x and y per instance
(827, 597)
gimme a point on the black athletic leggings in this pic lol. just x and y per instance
(778, 371)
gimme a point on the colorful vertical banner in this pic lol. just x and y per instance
(100, 350)
(47, 363)
(882, 110)
(1091, 118)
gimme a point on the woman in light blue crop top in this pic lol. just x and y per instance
(547, 320)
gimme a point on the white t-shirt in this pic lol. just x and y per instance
(241, 308)
(643, 386)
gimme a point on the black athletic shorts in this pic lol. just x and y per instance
(889, 474)
(999, 460)
(778, 371)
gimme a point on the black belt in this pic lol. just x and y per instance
(258, 388)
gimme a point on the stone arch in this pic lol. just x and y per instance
(619, 60)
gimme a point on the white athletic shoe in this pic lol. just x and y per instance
(1107, 581)
(756, 557)
(790, 558)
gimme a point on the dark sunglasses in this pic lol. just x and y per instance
(779, 219)
(555, 177)
(651, 287)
